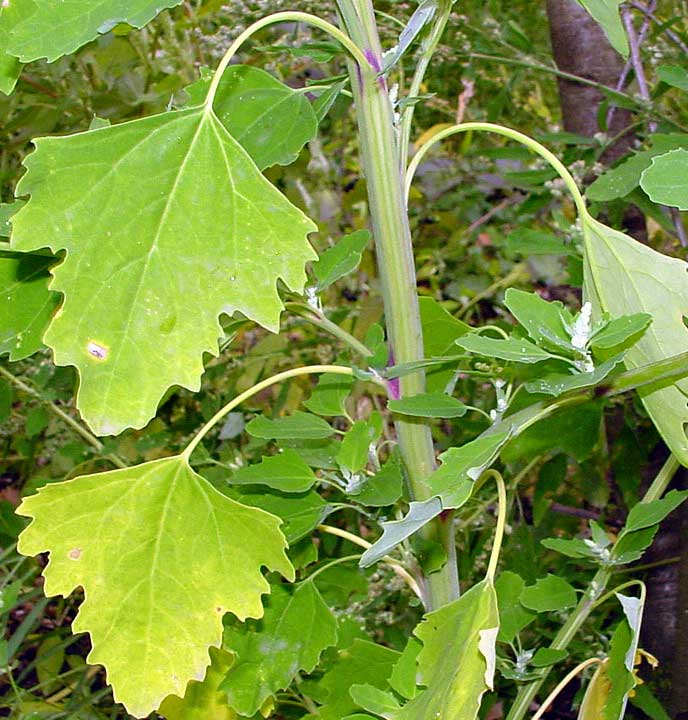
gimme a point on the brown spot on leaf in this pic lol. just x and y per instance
(96, 350)
(74, 554)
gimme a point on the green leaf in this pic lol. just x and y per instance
(362, 663)
(203, 700)
(457, 662)
(296, 627)
(545, 322)
(340, 260)
(440, 330)
(286, 472)
(461, 467)
(571, 547)
(52, 28)
(548, 594)
(162, 556)
(647, 514)
(644, 700)
(544, 657)
(196, 231)
(527, 242)
(621, 180)
(430, 405)
(665, 181)
(451, 485)
(512, 350)
(300, 425)
(396, 531)
(606, 13)
(270, 120)
(631, 546)
(558, 384)
(617, 281)
(619, 334)
(374, 700)
(673, 75)
(353, 451)
(403, 677)
(513, 617)
(7, 210)
(383, 489)
(28, 304)
(330, 394)
(10, 67)
(300, 513)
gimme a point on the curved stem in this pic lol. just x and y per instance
(280, 377)
(501, 524)
(395, 565)
(280, 17)
(531, 144)
(619, 588)
(567, 679)
(327, 566)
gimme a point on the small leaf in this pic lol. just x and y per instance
(299, 425)
(453, 482)
(340, 260)
(548, 594)
(396, 531)
(644, 515)
(617, 282)
(571, 547)
(422, 15)
(330, 394)
(296, 627)
(286, 472)
(203, 700)
(545, 322)
(199, 205)
(162, 556)
(430, 405)
(631, 546)
(512, 350)
(513, 617)
(383, 489)
(619, 334)
(665, 181)
(544, 657)
(374, 700)
(558, 384)
(456, 664)
(28, 304)
(353, 451)
(673, 75)
(606, 13)
(270, 120)
(52, 28)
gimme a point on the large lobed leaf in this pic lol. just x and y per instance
(48, 29)
(457, 662)
(623, 277)
(162, 556)
(166, 223)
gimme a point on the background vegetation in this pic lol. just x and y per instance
(469, 209)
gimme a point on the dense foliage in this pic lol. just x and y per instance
(218, 419)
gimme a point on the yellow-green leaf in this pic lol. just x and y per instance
(623, 277)
(162, 556)
(166, 223)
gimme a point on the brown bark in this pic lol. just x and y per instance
(581, 48)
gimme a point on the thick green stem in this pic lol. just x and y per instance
(381, 166)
